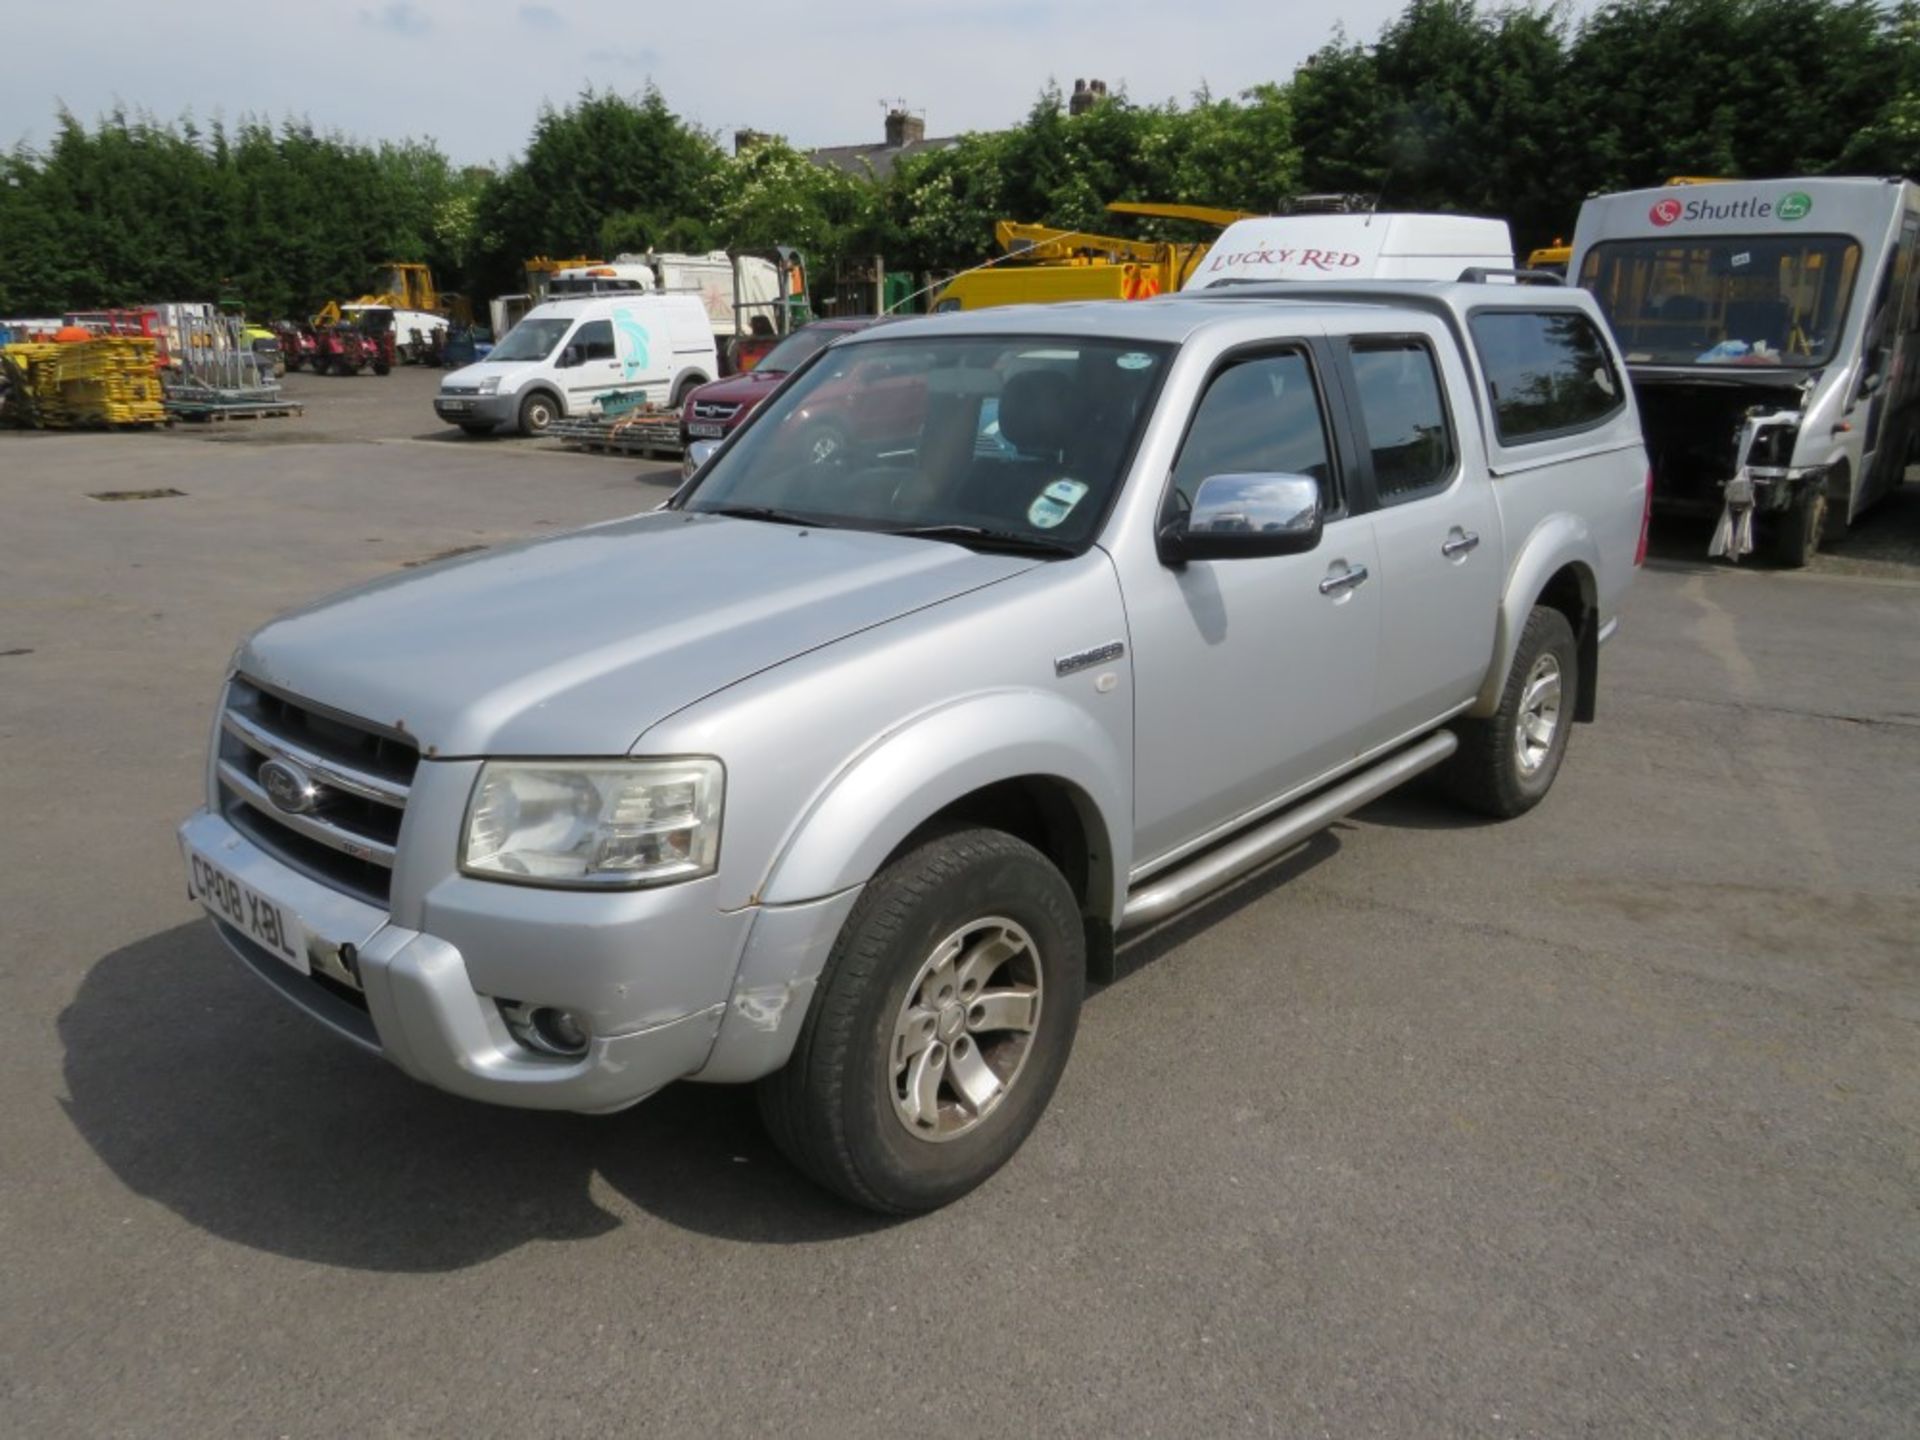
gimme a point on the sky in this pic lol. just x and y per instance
(472, 74)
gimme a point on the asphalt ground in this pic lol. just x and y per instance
(1600, 1122)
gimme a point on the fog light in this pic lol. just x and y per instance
(563, 1034)
(546, 1029)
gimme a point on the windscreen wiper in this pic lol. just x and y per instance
(981, 538)
(760, 512)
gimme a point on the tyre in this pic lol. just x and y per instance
(941, 1024)
(537, 412)
(381, 367)
(1793, 535)
(1506, 763)
(475, 429)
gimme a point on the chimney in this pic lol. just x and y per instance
(1086, 95)
(745, 140)
(904, 129)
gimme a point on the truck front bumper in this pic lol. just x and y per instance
(493, 409)
(719, 1004)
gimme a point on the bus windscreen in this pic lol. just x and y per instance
(1765, 300)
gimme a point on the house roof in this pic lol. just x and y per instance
(877, 160)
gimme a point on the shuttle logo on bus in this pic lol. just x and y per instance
(1794, 205)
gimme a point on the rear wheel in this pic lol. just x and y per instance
(537, 412)
(940, 1028)
(1507, 762)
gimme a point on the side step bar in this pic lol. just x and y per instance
(1161, 896)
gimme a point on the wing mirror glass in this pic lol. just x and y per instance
(1241, 516)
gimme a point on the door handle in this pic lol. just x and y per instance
(1345, 580)
(1458, 543)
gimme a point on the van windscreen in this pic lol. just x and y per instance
(531, 339)
(1725, 299)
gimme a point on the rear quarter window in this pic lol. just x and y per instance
(1548, 373)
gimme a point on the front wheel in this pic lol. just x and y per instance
(941, 1025)
(1793, 535)
(536, 414)
(1506, 762)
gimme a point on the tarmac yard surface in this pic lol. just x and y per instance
(1602, 1122)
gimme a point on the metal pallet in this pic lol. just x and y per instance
(647, 433)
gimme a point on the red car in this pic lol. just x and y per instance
(714, 411)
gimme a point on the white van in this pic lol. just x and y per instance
(1771, 330)
(1354, 247)
(710, 277)
(566, 354)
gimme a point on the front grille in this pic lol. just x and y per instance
(345, 832)
(714, 410)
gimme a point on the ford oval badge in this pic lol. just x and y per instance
(289, 787)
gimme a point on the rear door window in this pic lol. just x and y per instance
(1548, 371)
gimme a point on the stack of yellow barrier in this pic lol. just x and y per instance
(109, 380)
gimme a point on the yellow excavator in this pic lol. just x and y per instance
(1043, 263)
(419, 312)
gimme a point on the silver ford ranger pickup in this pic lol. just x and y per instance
(989, 637)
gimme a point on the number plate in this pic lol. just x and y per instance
(268, 924)
(458, 407)
(706, 430)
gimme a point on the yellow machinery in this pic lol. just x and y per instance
(404, 285)
(1044, 263)
(541, 269)
(1554, 257)
(111, 380)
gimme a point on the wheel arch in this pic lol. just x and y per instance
(685, 383)
(1558, 567)
(1025, 762)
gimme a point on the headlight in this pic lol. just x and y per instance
(488, 385)
(597, 824)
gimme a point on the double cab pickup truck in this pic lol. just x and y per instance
(841, 772)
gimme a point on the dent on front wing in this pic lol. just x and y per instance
(786, 951)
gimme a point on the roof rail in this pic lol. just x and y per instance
(1479, 274)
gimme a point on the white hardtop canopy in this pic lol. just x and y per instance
(1392, 246)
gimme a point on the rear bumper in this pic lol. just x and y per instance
(705, 1000)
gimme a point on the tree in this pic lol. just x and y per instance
(602, 157)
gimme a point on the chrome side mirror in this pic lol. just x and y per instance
(698, 453)
(1241, 516)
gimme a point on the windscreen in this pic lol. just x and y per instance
(790, 352)
(1014, 437)
(1725, 300)
(531, 339)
